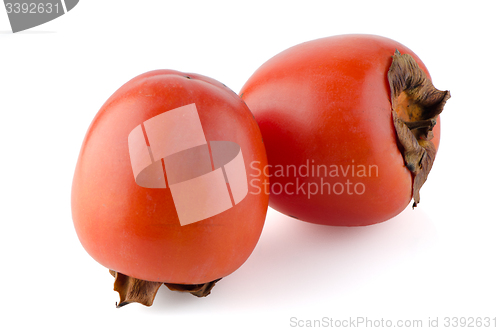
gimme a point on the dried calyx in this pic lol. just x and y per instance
(142, 291)
(416, 104)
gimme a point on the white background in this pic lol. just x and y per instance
(439, 260)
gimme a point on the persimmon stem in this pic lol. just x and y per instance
(134, 290)
(416, 104)
(144, 292)
(199, 290)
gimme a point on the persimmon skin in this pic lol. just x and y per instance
(327, 102)
(135, 230)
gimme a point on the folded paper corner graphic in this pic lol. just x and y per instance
(24, 15)
(70, 4)
(204, 178)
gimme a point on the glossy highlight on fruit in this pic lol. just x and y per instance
(351, 128)
(160, 192)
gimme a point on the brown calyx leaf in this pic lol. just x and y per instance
(132, 289)
(199, 290)
(416, 104)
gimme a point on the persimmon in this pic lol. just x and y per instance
(359, 115)
(160, 192)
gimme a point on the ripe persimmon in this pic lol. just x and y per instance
(358, 115)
